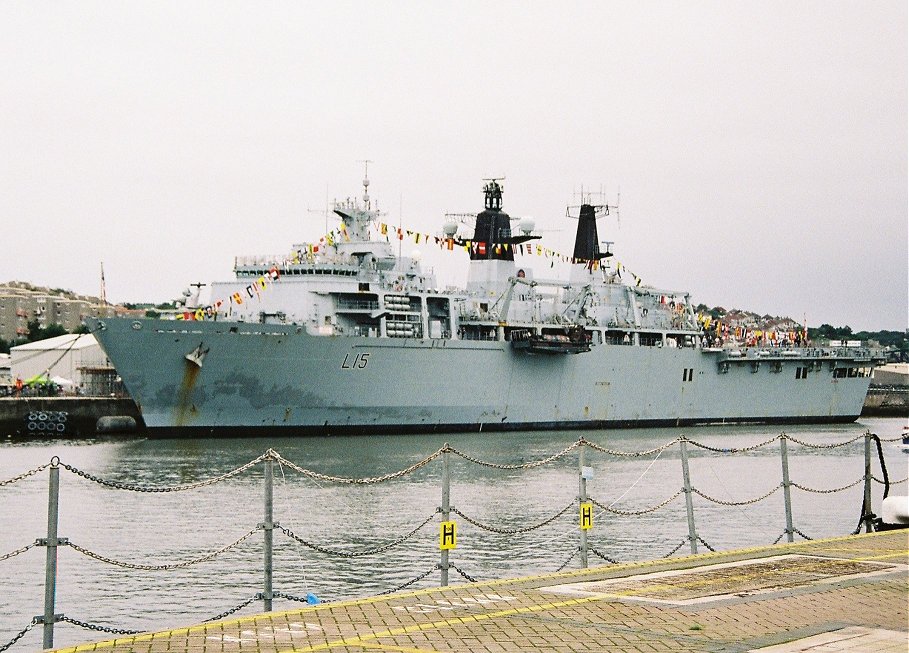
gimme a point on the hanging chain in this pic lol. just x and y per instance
(25, 548)
(515, 531)
(463, 574)
(291, 597)
(752, 447)
(701, 540)
(634, 513)
(530, 465)
(603, 557)
(354, 554)
(99, 628)
(736, 503)
(802, 534)
(18, 635)
(570, 558)
(877, 480)
(20, 477)
(831, 491)
(173, 488)
(823, 446)
(355, 481)
(628, 454)
(227, 613)
(409, 583)
(176, 565)
(680, 545)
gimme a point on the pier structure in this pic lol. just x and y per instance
(841, 594)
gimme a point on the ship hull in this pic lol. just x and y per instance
(257, 379)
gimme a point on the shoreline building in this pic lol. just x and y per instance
(21, 303)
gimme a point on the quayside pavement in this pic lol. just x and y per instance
(841, 594)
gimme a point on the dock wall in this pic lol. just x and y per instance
(71, 416)
(887, 401)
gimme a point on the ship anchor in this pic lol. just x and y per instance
(197, 355)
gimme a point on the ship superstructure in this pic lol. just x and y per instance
(344, 335)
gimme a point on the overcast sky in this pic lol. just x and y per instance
(760, 147)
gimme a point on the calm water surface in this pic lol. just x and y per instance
(173, 527)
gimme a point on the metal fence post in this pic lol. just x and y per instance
(866, 503)
(268, 529)
(50, 572)
(446, 513)
(689, 504)
(582, 499)
(787, 497)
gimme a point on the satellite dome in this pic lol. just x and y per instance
(527, 224)
(450, 228)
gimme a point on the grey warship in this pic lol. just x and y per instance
(347, 337)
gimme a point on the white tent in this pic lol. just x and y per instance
(64, 357)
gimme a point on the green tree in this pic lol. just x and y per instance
(35, 332)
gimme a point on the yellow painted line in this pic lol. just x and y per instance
(897, 554)
(399, 649)
(363, 640)
(394, 632)
(777, 549)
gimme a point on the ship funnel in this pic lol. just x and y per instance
(586, 242)
(492, 239)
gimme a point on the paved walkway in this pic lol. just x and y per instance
(843, 594)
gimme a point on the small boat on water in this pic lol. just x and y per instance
(906, 439)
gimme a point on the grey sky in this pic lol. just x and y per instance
(760, 147)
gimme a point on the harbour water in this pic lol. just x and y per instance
(161, 528)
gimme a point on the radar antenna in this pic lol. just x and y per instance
(366, 163)
(493, 192)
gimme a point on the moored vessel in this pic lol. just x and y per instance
(342, 335)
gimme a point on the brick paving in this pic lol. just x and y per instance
(790, 604)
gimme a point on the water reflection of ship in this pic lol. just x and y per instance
(347, 336)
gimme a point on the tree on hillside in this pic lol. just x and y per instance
(35, 332)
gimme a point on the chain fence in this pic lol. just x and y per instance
(805, 488)
(602, 556)
(98, 628)
(175, 565)
(416, 579)
(506, 466)
(272, 456)
(117, 485)
(752, 447)
(512, 531)
(18, 636)
(574, 554)
(636, 513)
(355, 554)
(746, 502)
(12, 554)
(676, 549)
(235, 609)
(464, 574)
(353, 481)
(25, 475)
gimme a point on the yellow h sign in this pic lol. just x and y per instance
(447, 535)
(586, 516)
